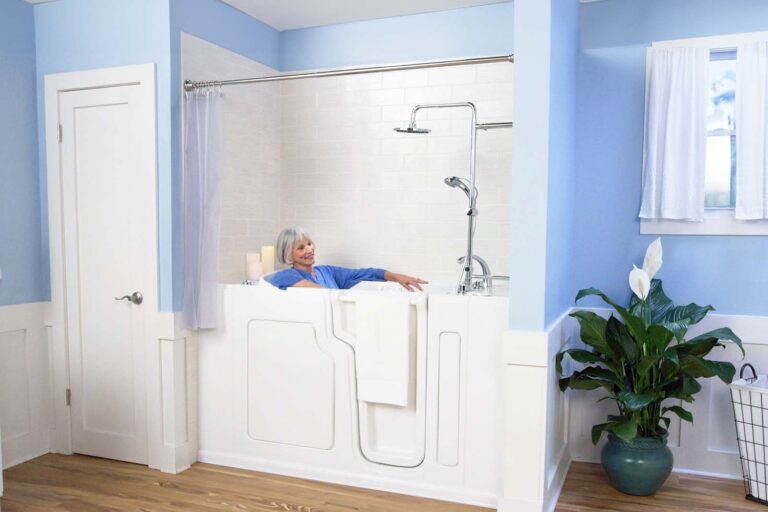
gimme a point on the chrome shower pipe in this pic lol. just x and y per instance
(466, 283)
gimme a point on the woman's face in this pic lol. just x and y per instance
(304, 253)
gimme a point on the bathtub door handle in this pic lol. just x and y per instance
(414, 302)
(136, 298)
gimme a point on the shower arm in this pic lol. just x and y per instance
(466, 284)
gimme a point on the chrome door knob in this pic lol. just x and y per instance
(136, 298)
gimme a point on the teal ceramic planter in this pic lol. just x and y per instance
(639, 468)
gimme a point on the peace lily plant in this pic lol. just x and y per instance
(642, 358)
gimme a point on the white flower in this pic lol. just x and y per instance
(652, 262)
(640, 282)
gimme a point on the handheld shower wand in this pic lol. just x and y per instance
(460, 183)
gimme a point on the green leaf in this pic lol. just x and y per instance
(681, 387)
(620, 340)
(684, 415)
(600, 374)
(690, 386)
(666, 422)
(578, 355)
(658, 338)
(695, 366)
(679, 318)
(597, 431)
(633, 323)
(635, 402)
(645, 364)
(593, 331)
(696, 347)
(584, 384)
(621, 426)
(671, 355)
(657, 302)
(724, 333)
(626, 430)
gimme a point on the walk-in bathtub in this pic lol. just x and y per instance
(279, 391)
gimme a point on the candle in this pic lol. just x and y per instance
(268, 258)
(253, 266)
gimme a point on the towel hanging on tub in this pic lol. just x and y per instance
(383, 348)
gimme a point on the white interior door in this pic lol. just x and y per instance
(108, 176)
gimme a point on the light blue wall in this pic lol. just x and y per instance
(75, 35)
(229, 28)
(530, 164)
(728, 272)
(562, 158)
(20, 235)
(470, 32)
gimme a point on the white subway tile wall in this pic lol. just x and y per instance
(374, 197)
(321, 153)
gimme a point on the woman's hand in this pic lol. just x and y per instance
(407, 282)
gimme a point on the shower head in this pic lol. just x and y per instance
(456, 182)
(412, 129)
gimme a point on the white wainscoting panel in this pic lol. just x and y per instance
(536, 455)
(708, 446)
(25, 389)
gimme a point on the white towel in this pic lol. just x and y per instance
(382, 348)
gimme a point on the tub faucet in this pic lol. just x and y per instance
(484, 281)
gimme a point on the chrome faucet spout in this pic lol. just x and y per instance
(484, 282)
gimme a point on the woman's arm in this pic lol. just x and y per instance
(306, 283)
(407, 282)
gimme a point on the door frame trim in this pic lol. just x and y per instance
(143, 75)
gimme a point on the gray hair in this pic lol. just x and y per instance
(286, 241)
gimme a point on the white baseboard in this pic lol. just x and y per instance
(348, 478)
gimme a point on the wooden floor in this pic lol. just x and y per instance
(85, 484)
(587, 488)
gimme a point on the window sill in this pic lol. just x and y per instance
(716, 222)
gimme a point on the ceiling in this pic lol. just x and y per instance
(292, 14)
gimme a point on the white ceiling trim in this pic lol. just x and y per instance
(293, 14)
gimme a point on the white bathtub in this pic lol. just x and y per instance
(278, 393)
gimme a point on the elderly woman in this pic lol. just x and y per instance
(295, 248)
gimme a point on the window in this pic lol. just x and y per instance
(720, 172)
(720, 181)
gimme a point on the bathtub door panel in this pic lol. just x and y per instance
(290, 385)
(389, 434)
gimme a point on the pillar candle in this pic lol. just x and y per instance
(268, 258)
(253, 266)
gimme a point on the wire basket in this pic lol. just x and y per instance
(750, 411)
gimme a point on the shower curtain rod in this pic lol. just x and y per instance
(191, 84)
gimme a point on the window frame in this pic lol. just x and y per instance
(717, 221)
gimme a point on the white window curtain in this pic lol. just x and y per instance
(675, 134)
(202, 177)
(752, 131)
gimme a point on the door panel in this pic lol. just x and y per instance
(106, 183)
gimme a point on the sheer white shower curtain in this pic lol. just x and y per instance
(203, 156)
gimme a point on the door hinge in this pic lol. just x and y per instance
(69, 396)
(59, 133)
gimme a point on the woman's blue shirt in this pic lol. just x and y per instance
(327, 276)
